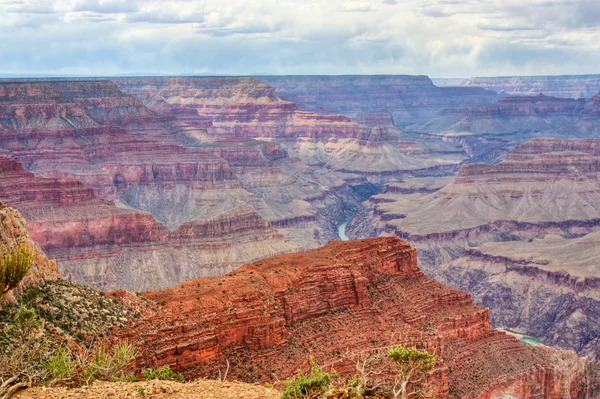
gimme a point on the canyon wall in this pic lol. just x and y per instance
(108, 247)
(574, 86)
(347, 297)
(251, 108)
(407, 98)
(542, 188)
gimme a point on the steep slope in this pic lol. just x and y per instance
(488, 132)
(509, 115)
(546, 288)
(567, 86)
(266, 317)
(251, 108)
(137, 159)
(544, 181)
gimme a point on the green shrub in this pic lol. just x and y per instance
(309, 386)
(105, 365)
(60, 366)
(14, 265)
(162, 373)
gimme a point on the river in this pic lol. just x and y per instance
(342, 229)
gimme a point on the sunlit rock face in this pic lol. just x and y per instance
(13, 233)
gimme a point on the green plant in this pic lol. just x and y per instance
(126, 378)
(14, 265)
(162, 373)
(412, 372)
(141, 392)
(105, 365)
(23, 347)
(60, 366)
(309, 386)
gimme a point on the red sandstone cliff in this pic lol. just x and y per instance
(266, 317)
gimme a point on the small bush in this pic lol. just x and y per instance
(14, 265)
(412, 367)
(162, 373)
(309, 386)
(105, 365)
(60, 366)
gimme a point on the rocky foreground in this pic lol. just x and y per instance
(202, 389)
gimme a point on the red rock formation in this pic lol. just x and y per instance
(72, 224)
(266, 317)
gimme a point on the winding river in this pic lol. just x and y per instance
(342, 228)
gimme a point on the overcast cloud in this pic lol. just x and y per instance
(439, 38)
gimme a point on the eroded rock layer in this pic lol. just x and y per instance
(248, 107)
(108, 247)
(544, 187)
(575, 86)
(407, 98)
(547, 288)
(267, 317)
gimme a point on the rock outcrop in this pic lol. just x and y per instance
(267, 317)
(13, 231)
(574, 86)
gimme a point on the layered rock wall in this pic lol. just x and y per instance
(267, 317)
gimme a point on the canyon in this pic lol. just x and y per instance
(265, 319)
(408, 99)
(488, 131)
(166, 186)
(187, 164)
(13, 232)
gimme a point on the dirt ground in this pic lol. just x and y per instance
(154, 390)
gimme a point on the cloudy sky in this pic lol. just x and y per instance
(439, 38)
